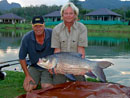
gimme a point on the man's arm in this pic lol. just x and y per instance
(83, 40)
(24, 67)
(57, 50)
(28, 78)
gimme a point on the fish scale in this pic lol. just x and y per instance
(70, 68)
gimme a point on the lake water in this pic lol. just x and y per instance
(114, 50)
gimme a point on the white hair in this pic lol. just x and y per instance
(69, 4)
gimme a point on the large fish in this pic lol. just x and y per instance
(72, 64)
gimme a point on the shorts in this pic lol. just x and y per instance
(60, 78)
(42, 76)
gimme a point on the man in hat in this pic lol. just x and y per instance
(36, 44)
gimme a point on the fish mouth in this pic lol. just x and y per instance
(39, 63)
(43, 64)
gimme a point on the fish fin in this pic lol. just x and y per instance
(54, 62)
(70, 76)
(104, 64)
(100, 74)
(90, 74)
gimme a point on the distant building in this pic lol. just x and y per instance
(104, 15)
(53, 16)
(11, 18)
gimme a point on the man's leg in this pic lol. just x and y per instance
(80, 78)
(35, 74)
(46, 79)
(59, 78)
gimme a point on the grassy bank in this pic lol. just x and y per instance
(118, 31)
(12, 85)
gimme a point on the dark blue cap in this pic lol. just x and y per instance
(37, 20)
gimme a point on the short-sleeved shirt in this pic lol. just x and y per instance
(34, 50)
(69, 41)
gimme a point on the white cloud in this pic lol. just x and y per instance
(38, 2)
(81, 0)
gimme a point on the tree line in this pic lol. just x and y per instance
(29, 12)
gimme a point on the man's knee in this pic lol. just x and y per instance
(30, 87)
(46, 85)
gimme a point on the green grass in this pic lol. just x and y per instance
(109, 27)
(15, 26)
(90, 27)
(105, 34)
(12, 86)
(117, 31)
(92, 80)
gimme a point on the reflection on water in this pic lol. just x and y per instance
(111, 49)
(108, 47)
(12, 34)
(114, 50)
(9, 48)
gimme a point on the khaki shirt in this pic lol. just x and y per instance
(69, 41)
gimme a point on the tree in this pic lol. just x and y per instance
(29, 12)
(82, 11)
(76, 3)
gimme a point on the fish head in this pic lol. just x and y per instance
(44, 63)
(47, 63)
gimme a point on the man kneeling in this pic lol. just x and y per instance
(36, 44)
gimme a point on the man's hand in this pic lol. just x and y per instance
(81, 50)
(27, 86)
(52, 71)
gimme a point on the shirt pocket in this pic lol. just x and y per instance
(63, 42)
(74, 45)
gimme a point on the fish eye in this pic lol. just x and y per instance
(44, 60)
